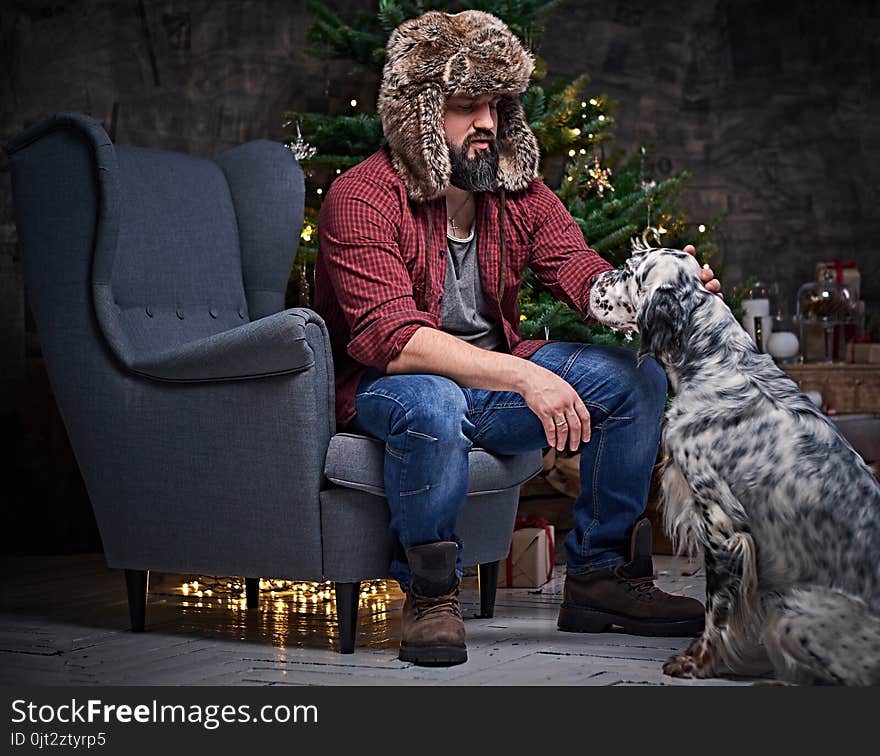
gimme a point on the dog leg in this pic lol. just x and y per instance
(681, 519)
(731, 587)
(724, 583)
(819, 635)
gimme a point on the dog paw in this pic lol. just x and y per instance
(680, 666)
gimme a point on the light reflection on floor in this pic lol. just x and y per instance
(290, 614)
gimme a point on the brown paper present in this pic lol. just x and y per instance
(530, 562)
(845, 272)
(865, 352)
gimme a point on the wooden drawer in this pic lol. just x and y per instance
(844, 388)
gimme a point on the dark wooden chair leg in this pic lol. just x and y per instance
(347, 596)
(252, 591)
(488, 586)
(136, 582)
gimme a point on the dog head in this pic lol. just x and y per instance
(654, 294)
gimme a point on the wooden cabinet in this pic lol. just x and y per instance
(844, 388)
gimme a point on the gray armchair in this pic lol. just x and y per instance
(201, 411)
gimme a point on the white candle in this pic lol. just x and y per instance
(748, 323)
(757, 308)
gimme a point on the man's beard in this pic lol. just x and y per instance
(478, 173)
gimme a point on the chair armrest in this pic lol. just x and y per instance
(273, 345)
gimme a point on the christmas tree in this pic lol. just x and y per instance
(612, 199)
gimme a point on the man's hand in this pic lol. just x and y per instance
(550, 397)
(706, 275)
(559, 408)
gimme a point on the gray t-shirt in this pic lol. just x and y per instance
(463, 311)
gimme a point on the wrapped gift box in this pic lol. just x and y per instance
(845, 272)
(530, 562)
(865, 353)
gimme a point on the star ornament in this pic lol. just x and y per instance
(599, 177)
(301, 149)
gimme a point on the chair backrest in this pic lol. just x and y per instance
(177, 268)
(143, 250)
(173, 247)
(125, 250)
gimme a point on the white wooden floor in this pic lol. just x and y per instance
(64, 621)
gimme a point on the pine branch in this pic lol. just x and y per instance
(362, 41)
(348, 139)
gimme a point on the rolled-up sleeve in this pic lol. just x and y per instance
(359, 227)
(559, 256)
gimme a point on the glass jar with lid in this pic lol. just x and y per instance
(825, 309)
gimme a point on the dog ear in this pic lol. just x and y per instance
(661, 323)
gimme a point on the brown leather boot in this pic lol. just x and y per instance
(626, 596)
(433, 630)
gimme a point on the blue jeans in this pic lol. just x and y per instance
(429, 423)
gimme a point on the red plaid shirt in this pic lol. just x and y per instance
(371, 286)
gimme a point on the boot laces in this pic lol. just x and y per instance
(437, 604)
(644, 585)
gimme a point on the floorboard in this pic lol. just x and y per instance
(64, 621)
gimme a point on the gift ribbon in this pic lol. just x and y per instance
(840, 266)
(852, 346)
(531, 521)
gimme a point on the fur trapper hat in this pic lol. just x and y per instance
(440, 55)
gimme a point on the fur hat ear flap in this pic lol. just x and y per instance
(419, 151)
(518, 152)
(661, 324)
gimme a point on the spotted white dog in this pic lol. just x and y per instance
(784, 511)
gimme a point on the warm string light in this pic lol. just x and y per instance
(375, 595)
(597, 176)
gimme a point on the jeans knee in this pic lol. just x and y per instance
(435, 406)
(634, 388)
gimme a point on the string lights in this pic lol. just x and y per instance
(287, 595)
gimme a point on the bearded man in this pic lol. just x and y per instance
(422, 250)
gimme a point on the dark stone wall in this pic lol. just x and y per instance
(774, 108)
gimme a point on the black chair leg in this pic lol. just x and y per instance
(136, 582)
(488, 586)
(252, 592)
(347, 596)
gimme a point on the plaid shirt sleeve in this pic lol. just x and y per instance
(560, 257)
(358, 230)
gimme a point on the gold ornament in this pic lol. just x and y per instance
(598, 177)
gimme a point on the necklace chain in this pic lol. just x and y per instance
(453, 215)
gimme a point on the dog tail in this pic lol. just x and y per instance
(821, 635)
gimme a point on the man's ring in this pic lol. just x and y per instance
(560, 421)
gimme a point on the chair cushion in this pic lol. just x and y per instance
(356, 461)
